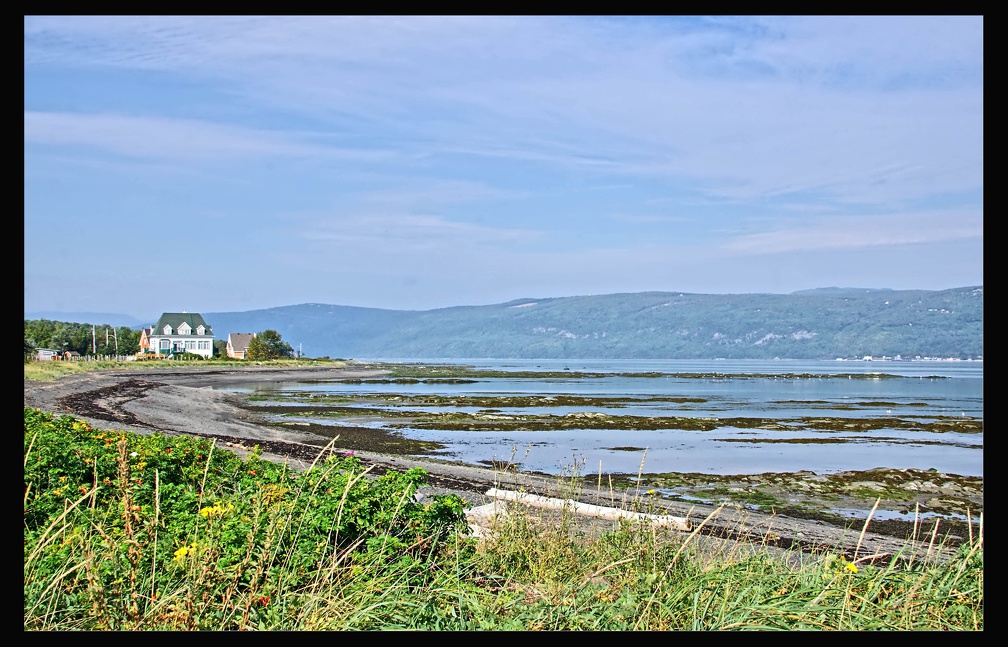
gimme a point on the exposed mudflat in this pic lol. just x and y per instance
(179, 401)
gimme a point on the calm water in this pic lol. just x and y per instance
(923, 391)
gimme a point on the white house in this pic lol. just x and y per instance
(46, 354)
(181, 332)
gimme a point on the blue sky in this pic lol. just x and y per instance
(219, 164)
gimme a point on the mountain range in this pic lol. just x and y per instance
(825, 323)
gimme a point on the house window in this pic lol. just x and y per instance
(167, 330)
(165, 344)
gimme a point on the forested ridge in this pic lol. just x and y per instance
(826, 323)
(817, 324)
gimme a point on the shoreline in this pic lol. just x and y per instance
(182, 401)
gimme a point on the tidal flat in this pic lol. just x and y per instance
(390, 413)
(819, 482)
(909, 496)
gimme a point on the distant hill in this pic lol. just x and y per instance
(98, 318)
(839, 292)
(825, 323)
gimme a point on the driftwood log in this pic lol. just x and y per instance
(587, 509)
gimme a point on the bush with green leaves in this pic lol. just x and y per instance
(125, 531)
(112, 519)
(268, 344)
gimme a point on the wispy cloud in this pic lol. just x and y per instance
(859, 232)
(423, 195)
(166, 138)
(576, 153)
(822, 114)
(403, 232)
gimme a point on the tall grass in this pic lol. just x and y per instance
(130, 532)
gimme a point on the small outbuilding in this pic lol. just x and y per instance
(238, 343)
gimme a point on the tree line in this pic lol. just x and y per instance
(104, 339)
(63, 336)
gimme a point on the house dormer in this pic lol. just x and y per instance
(166, 330)
(200, 330)
(184, 329)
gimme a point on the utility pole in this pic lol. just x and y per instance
(115, 334)
(94, 343)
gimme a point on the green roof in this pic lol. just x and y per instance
(176, 319)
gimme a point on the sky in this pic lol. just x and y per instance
(235, 163)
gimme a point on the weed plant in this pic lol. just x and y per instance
(154, 532)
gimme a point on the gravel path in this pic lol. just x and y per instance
(181, 401)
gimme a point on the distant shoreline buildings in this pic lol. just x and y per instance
(918, 358)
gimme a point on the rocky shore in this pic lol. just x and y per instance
(183, 401)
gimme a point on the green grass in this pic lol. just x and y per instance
(155, 532)
(52, 370)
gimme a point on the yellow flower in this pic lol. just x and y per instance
(217, 510)
(181, 553)
(851, 566)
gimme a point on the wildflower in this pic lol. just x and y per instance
(181, 553)
(133, 454)
(216, 510)
(851, 566)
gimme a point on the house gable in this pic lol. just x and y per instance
(145, 335)
(238, 343)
